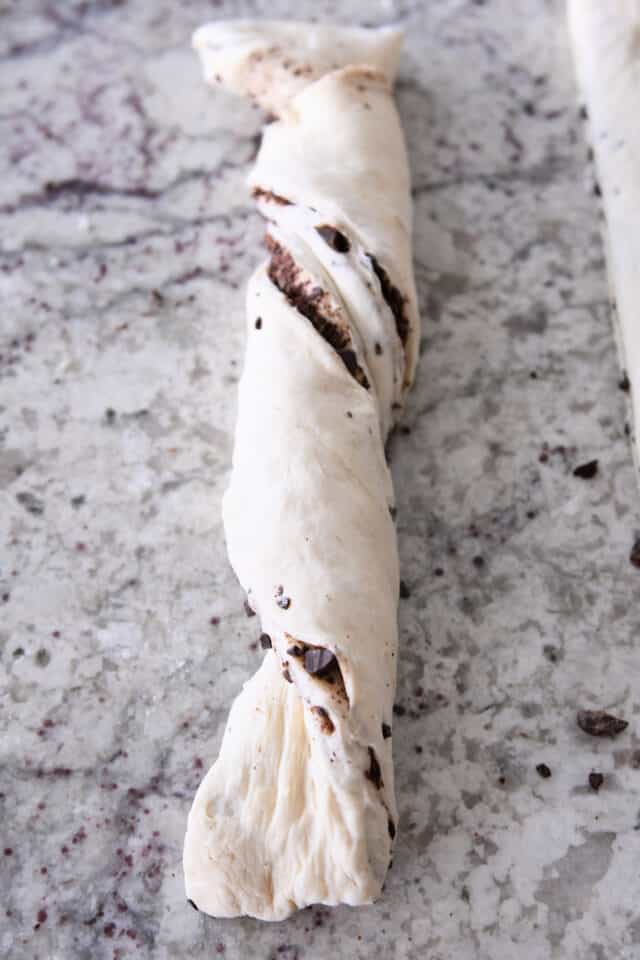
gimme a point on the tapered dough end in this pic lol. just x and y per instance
(270, 61)
(269, 831)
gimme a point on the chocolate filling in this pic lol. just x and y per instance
(374, 773)
(326, 723)
(397, 303)
(319, 661)
(259, 194)
(336, 240)
(284, 272)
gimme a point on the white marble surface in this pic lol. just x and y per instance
(127, 238)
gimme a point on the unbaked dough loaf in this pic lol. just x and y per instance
(299, 807)
(605, 36)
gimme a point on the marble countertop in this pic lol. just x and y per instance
(127, 238)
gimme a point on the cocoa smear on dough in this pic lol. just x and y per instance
(312, 303)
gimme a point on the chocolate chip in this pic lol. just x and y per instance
(543, 770)
(349, 414)
(624, 383)
(192, 904)
(258, 323)
(386, 731)
(250, 612)
(634, 556)
(265, 641)
(405, 592)
(336, 240)
(595, 781)
(295, 651)
(586, 471)
(378, 349)
(326, 723)
(318, 661)
(287, 675)
(391, 827)
(598, 723)
(374, 773)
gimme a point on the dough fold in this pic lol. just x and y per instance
(299, 807)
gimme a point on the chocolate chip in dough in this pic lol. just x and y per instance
(336, 240)
(386, 731)
(586, 471)
(318, 661)
(265, 641)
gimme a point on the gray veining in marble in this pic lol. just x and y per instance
(127, 238)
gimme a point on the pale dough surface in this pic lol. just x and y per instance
(299, 807)
(605, 37)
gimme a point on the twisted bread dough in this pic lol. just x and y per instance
(299, 807)
(605, 36)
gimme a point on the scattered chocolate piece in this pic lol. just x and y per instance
(405, 592)
(336, 240)
(386, 731)
(624, 383)
(248, 609)
(258, 323)
(265, 641)
(392, 828)
(634, 556)
(374, 773)
(326, 723)
(595, 781)
(543, 770)
(192, 904)
(283, 602)
(598, 723)
(586, 471)
(318, 661)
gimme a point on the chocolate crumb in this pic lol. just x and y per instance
(336, 240)
(378, 349)
(392, 828)
(265, 641)
(248, 609)
(543, 770)
(598, 723)
(478, 561)
(193, 905)
(374, 773)
(349, 414)
(405, 592)
(214, 621)
(318, 661)
(624, 383)
(326, 723)
(595, 781)
(634, 556)
(386, 731)
(258, 323)
(439, 572)
(586, 470)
